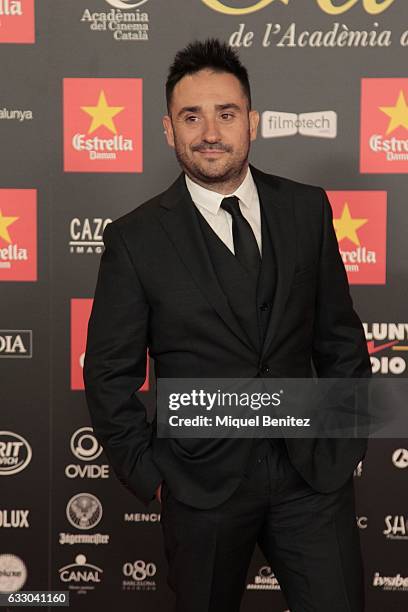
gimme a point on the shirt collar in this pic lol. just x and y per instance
(211, 200)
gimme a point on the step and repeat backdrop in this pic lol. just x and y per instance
(81, 143)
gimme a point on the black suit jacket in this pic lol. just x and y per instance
(156, 288)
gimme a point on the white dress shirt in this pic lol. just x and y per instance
(209, 205)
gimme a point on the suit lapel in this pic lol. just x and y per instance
(180, 222)
(278, 211)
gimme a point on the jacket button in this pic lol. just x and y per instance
(265, 369)
(264, 306)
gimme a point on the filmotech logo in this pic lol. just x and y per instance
(400, 458)
(387, 345)
(86, 235)
(125, 20)
(13, 114)
(17, 24)
(321, 124)
(84, 512)
(139, 576)
(14, 519)
(18, 235)
(80, 576)
(16, 343)
(85, 447)
(396, 527)
(265, 580)
(13, 573)
(390, 583)
(384, 126)
(360, 222)
(15, 453)
(103, 125)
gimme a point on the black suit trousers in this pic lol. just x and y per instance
(310, 540)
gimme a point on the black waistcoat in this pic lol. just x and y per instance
(251, 302)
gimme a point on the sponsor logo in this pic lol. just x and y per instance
(14, 519)
(391, 339)
(17, 22)
(331, 7)
(400, 458)
(322, 124)
(80, 576)
(141, 517)
(80, 313)
(86, 235)
(16, 343)
(103, 125)
(8, 114)
(384, 126)
(15, 453)
(84, 511)
(362, 522)
(85, 447)
(358, 472)
(18, 235)
(265, 580)
(124, 21)
(359, 218)
(396, 527)
(13, 573)
(139, 576)
(390, 583)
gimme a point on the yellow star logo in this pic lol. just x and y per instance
(346, 226)
(398, 113)
(4, 223)
(102, 114)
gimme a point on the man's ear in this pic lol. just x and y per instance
(253, 123)
(168, 130)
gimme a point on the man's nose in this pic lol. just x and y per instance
(211, 132)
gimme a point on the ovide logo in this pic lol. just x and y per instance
(80, 313)
(103, 125)
(384, 126)
(18, 235)
(17, 21)
(359, 219)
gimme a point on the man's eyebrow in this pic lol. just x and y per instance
(197, 109)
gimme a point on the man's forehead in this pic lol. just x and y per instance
(203, 88)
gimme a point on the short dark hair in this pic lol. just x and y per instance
(199, 55)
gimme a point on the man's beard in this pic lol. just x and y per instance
(223, 174)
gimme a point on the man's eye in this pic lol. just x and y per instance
(191, 118)
(227, 116)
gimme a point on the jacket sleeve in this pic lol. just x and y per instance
(115, 368)
(339, 344)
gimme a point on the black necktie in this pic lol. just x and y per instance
(245, 244)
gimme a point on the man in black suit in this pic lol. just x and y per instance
(229, 273)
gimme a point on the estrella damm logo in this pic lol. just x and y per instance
(359, 219)
(17, 21)
(103, 125)
(18, 235)
(331, 7)
(384, 126)
(80, 312)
